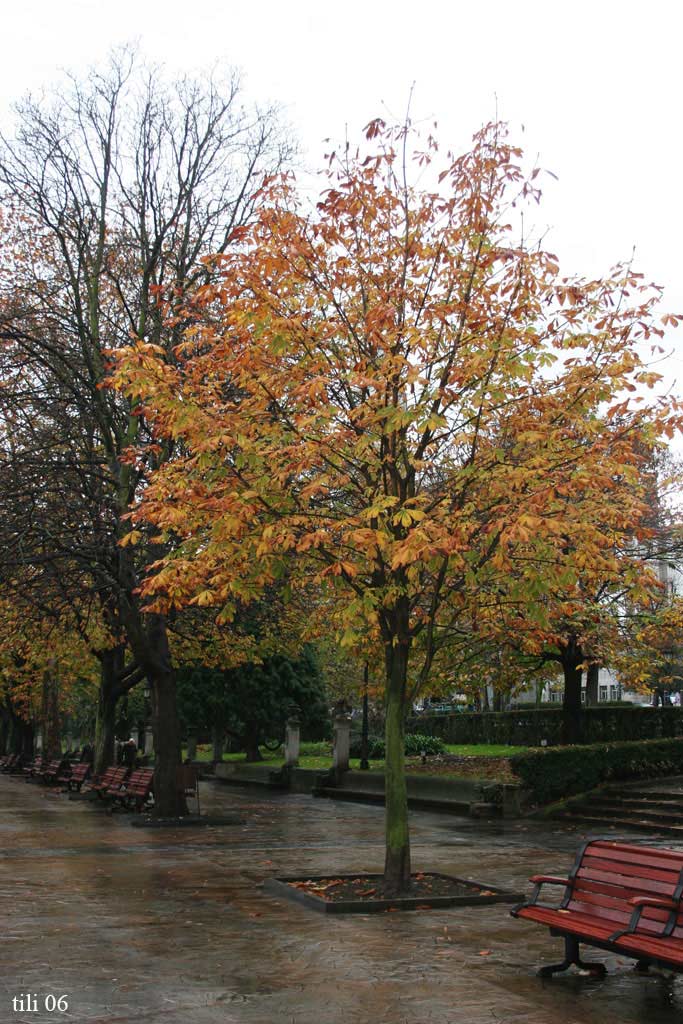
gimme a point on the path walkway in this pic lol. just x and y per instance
(142, 926)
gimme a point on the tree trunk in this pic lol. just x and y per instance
(52, 743)
(110, 664)
(250, 742)
(499, 700)
(592, 677)
(20, 737)
(169, 800)
(572, 658)
(27, 739)
(218, 743)
(397, 858)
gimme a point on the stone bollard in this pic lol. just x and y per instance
(292, 742)
(149, 742)
(341, 744)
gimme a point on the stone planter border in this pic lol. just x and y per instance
(281, 886)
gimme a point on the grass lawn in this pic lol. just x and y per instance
(318, 757)
(484, 750)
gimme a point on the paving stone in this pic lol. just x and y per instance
(144, 926)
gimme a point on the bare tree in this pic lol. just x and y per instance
(114, 190)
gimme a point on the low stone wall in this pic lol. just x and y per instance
(460, 796)
(301, 780)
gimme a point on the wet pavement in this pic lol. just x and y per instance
(144, 926)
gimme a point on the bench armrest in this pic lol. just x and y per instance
(639, 903)
(653, 901)
(540, 880)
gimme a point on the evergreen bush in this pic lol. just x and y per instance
(553, 773)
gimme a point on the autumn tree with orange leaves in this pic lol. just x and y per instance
(389, 399)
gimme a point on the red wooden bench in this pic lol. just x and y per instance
(138, 789)
(53, 769)
(75, 775)
(11, 764)
(621, 897)
(37, 765)
(109, 784)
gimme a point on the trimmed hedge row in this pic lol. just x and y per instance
(530, 726)
(552, 773)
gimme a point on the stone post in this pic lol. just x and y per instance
(149, 741)
(342, 743)
(292, 741)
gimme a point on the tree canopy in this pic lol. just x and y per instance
(397, 397)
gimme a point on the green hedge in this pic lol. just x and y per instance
(530, 726)
(556, 772)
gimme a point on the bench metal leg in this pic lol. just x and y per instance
(642, 966)
(571, 956)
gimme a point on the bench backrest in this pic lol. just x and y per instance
(141, 779)
(608, 874)
(109, 776)
(118, 776)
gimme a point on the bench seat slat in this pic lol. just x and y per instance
(577, 924)
(667, 948)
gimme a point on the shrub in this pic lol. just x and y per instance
(416, 743)
(375, 747)
(556, 772)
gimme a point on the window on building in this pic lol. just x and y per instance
(614, 693)
(602, 693)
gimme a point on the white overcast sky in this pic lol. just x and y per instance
(596, 85)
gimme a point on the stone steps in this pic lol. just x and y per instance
(635, 824)
(637, 807)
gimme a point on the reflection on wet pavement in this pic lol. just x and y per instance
(151, 925)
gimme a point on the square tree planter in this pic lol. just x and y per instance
(315, 892)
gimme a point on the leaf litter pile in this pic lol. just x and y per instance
(369, 888)
(478, 767)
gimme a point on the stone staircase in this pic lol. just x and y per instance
(650, 806)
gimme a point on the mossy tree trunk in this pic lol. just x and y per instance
(397, 836)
